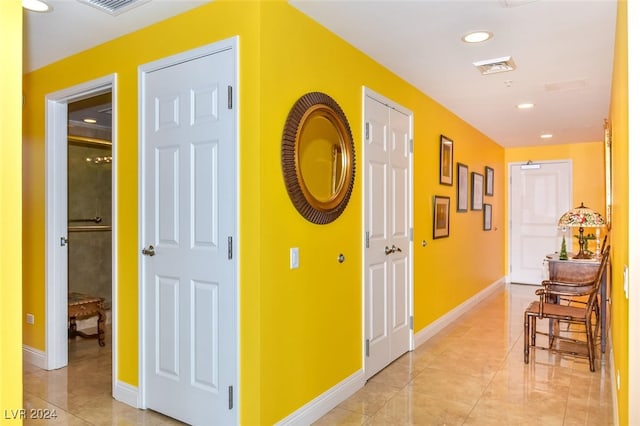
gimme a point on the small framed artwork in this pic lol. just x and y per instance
(486, 217)
(477, 189)
(446, 160)
(488, 183)
(463, 188)
(440, 216)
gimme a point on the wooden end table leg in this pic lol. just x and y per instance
(72, 327)
(101, 318)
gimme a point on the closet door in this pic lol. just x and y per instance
(387, 225)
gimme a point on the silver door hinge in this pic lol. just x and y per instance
(230, 397)
(229, 97)
(64, 241)
(410, 234)
(411, 146)
(366, 131)
(366, 239)
(230, 247)
(411, 322)
(366, 347)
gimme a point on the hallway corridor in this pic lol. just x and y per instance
(471, 373)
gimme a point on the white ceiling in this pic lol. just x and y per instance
(71, 27)
(563, 50)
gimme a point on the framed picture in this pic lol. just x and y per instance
(440, 216)
(607, 172)
(463, 188)
(486, 217)
(477, 189)
(446, 160)
(488, 183)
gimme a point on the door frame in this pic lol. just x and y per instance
(56, 274)
(230, 43)
(510, 199)
(367, 92)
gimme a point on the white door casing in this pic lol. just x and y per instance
(189, 216)
(538, 196)
(387, 224)
(56, 251)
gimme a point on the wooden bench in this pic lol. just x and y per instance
(86, 306)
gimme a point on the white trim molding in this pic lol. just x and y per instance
(126, 393)
(34, 356)
(318, 407)
(438, 325)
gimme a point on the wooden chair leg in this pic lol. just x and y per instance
(590, 348)
(526, 338)
(533, 330)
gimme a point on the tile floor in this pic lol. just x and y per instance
(470, 373)
(80, 394)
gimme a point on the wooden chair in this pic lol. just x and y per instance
(548, 308)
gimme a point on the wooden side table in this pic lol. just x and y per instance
(579, 270)
(86, 306)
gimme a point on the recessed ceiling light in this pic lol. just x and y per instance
(477, 37)
(90, 120)
(526, 105)
(546, 136)
(36, 5)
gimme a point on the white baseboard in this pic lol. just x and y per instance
(126, 393)
(614, 382)
(324, 403)
(34, 356)
(432, 329)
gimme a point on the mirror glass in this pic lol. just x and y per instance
(321, 157)
(318, 159)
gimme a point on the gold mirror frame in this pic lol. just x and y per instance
(311, 107)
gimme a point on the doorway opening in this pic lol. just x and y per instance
(89, 212)
(66, 231)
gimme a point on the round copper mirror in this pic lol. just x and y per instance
(318, 158)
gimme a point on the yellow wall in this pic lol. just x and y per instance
(320, 304)
(300, 330)
(10, 212)
(619, 117)
(588, 171)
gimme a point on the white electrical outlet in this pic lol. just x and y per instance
(294, 258)
(30, 319)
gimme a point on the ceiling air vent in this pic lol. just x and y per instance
(114, 7)
(493, 66)
(515, 3)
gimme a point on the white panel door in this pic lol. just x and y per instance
(538, 197)
(190, 218)
(400, 223)
(387, 222)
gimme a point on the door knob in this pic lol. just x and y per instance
(150, 251)
(393, 249)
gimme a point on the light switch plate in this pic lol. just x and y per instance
(625, 281)
(294, 258)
